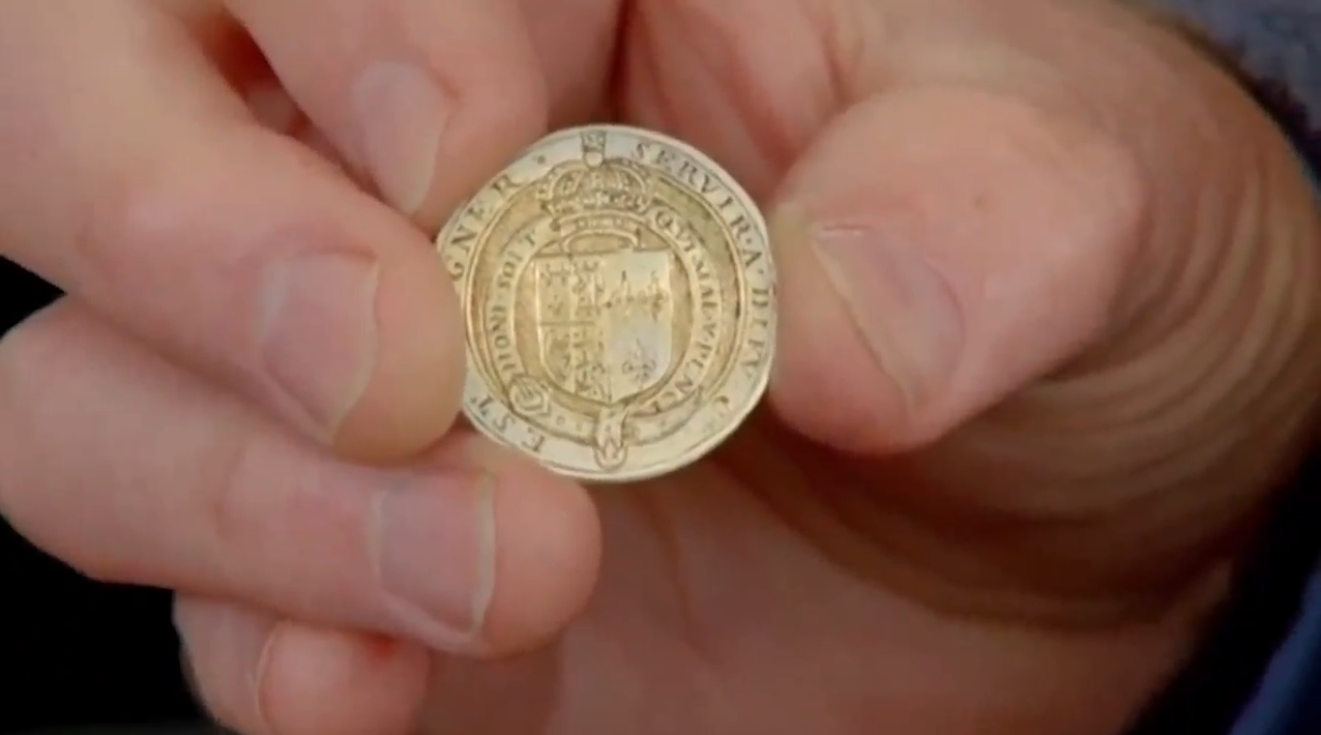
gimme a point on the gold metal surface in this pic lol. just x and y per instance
(619, 299)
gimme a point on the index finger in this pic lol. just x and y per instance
(428, 97)
(136, 180)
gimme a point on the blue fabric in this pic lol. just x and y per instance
(1288, 702)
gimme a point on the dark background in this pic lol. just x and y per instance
(73, 652)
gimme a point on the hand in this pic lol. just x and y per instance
(1046, 276)
(248, 392)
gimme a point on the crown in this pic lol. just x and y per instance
(595, 183)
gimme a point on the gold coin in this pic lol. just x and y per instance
(619, 299)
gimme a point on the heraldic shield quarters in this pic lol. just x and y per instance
(618, 293)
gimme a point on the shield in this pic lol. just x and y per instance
(605, 321)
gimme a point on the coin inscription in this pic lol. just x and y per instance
(619, 298)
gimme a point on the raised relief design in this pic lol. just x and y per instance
(602, 299)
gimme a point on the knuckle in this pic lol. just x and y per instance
(231, 468)
(270, 507)
(126, 221)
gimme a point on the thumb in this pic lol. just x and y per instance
(938, 249)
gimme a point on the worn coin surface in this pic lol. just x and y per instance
(619, 297)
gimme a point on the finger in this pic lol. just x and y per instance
(938, 249)
(429, 98)
(576, 43)
(261, 675)
(159, 201)
(135, 472)
(748, 83)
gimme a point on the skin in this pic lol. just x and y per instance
(1049, 284)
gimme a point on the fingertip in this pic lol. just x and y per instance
(858, 407)
(941, 249)
(318, 681)
(490, 128)
(265, 676)
(548, 553)
(411, 393)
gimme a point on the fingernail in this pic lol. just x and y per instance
(402, 114)
(318, 331)
(237, 644)
(903, 308)
(437, 556)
